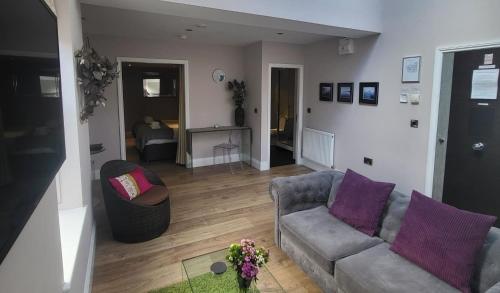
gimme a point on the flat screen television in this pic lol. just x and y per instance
(31, 118)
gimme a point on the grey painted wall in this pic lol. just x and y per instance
(274, 53)
(210, 103)
(253, 77)
(383, 132)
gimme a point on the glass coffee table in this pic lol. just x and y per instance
(196, 272)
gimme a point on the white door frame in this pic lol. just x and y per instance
(121, 113)
(436, 94)
(266, 125)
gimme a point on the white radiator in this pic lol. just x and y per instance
(318, 146)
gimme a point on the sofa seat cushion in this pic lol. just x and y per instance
(324, 238)
(378, 269)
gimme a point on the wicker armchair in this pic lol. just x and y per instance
(131, 221)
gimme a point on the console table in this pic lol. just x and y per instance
(245, 144)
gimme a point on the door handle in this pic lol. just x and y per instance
(441, 140)
(478, 147)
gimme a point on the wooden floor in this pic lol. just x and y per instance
(211, 208)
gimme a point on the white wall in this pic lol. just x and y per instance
(209, 102)
(34, 262)
(358, 14)
(383, 132)
(351, 18)
(75, 172)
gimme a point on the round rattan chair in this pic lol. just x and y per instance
(131, 221)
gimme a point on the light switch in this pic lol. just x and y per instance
(403, 98)
(414, 98)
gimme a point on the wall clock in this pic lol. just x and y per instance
(219, 75)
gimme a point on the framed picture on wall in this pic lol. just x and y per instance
(345, 92)
(326, 92)
(411, 69)
(368, 93)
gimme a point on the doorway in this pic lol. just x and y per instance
(283, 116)
(467, 149)
(153, 98)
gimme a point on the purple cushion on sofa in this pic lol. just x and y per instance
(361, 201)
(441, 239)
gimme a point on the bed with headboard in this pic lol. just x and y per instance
(156, 139)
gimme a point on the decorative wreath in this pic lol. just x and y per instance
(95, 73)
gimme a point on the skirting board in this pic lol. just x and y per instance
(209, 161)
(264, 165)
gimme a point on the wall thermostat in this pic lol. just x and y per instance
(346, 46)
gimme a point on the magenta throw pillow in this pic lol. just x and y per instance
(131, 185)
(441, 239)
(360, 202)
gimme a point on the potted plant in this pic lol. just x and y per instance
(246, 260)
(239, 95)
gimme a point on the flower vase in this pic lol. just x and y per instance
(239, 116)
(244, 283)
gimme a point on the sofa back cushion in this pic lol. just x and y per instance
(360, 202)
(337, 179)
(442, 240)
(393, 215)
(487, 271)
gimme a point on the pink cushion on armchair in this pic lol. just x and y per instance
(131, 185)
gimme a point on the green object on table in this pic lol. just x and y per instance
(209, 283)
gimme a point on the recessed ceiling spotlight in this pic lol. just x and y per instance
(280, 33)
(182, 36)
(189, 30)
(201, 25)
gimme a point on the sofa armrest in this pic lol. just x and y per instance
(297, 193)
(494, 289)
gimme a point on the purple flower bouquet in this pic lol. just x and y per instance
(246, 260)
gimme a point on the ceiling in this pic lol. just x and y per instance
(109, 21)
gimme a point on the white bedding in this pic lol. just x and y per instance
(161, 141)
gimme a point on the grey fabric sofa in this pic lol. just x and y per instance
(339, 258)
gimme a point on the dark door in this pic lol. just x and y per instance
(472, 172)
(283, 97)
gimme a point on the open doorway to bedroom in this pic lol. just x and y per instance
(152, 101)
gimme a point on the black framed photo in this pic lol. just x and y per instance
(368, 93)
(345, 92)
(326, 92)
